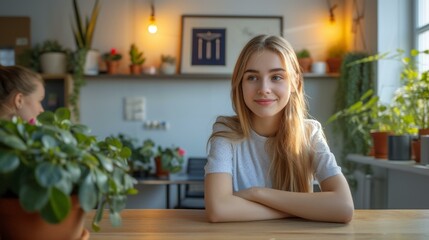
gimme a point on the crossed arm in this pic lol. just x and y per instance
(333, 204)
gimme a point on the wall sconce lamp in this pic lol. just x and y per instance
(331, 11)
(152, 28)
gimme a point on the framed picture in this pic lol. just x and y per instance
(211, 43)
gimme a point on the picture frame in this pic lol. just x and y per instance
(210, 44)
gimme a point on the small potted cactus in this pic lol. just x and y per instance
(137, 60)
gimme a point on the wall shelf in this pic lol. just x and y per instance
(194, 76)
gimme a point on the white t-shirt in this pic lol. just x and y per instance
(248, 162)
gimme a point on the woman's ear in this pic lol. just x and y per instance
(18, 100)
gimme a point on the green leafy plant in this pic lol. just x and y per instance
(43, 164)
(84, 33)
(168, 59)
(171, 158)
(53, 46)
(304, 53)
(113, 55)
(141, 154)
(136, 56)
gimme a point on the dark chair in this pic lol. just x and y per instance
(194, 192)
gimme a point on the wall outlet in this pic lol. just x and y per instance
(135, 108)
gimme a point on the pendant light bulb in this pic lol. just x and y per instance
(152, 28)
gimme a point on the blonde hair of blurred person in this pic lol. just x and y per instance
(21, 93)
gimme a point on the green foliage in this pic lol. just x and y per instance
(136, 56)
(141, 155)
(171, 158)
(79, 58)
(83, 33)
(112, 56)
(53, 46)
(44, 164)
(411, 100)
(168, 59)
(304, 53)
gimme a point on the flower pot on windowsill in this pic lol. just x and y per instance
(15, 223)
(160, 171)
(305, 64)
(380, 144)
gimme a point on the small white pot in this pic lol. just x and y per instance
(91, 62)
(168, 68)
(53, 63)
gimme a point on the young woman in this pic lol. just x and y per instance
(21, 93)
(262, 162)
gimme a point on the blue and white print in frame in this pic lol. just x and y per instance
(211, 43)
(208, 46)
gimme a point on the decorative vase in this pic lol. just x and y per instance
(380, 144)
(53, 63)
(399, 147)
(91, 62)
(160, 171)
(112, 67)
(15, 223)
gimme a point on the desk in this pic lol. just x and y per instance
(180, 224)
(170, 180)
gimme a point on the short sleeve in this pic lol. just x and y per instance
(325, 163)
(219, 159)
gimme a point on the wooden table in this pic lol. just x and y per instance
(192, 224)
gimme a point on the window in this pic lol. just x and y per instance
(423, 33)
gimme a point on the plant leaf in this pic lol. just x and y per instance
(46, 118)
(62, 114)
(32, 196)
(13, 142)
(58, 207)
(8, 162)
(48, 174)
(88, 193)
(115, 219)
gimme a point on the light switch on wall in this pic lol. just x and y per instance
(135, 108)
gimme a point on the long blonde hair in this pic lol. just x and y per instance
(291, 166)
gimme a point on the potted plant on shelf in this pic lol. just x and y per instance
(53, 171)
(335, 58)
(112, 59)
(304, 60)
(168, 64)
(53, 57)
(83, 32)
(168, 160)
(137, 60)
(141, 155)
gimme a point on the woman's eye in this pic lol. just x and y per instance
(277, 78)
(251, 78)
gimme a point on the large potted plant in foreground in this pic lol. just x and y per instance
(55, 171)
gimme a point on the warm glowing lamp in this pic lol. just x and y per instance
(152, 28)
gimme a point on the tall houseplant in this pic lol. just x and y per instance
(46, 164)
(85, 59)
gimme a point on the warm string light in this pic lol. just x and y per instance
(152, 28)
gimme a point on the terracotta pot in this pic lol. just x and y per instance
(305, 64)
(112, 67)
(416, 150)
(379, 140)
(160, 171)
(135, 69)
(424, 131)
(334, 64)
(15, 223)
